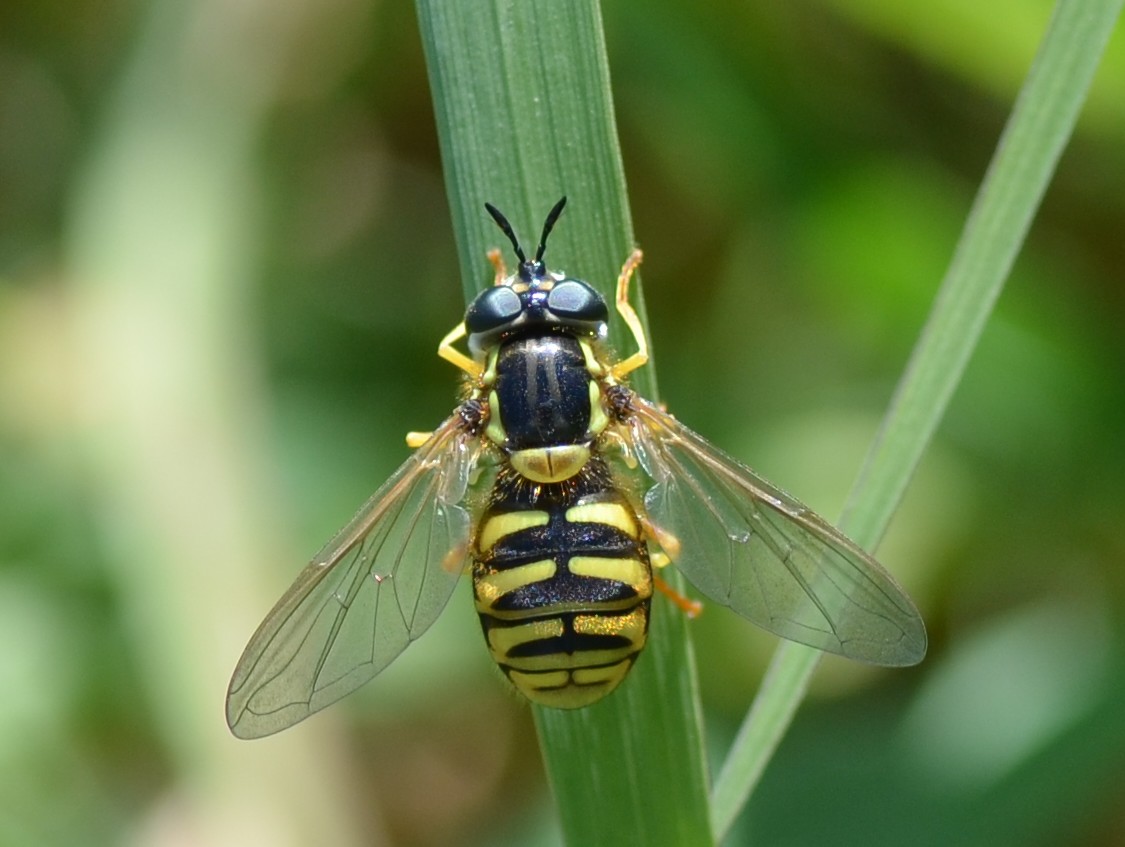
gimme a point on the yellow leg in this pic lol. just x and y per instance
(456, 561)
(414, 440)
(451, 354)
(629, 315)
(447, 351)
(669, 551)
(689, 607)
(668, 543)
(497, 260)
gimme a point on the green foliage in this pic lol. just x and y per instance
(498, 85)
(226, 257)
(1025, 160)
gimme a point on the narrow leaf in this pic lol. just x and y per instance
(524, 112)
(1029, 149)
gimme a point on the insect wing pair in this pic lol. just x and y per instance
(375, 587)
(384, 579)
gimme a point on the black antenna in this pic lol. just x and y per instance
(502, 222)
(548, 225)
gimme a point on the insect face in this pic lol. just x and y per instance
(533, 299)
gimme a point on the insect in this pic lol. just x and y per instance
(563, 489)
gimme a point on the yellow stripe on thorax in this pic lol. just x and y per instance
(593, 365)
(495, 428)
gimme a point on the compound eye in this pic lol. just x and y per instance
(492, 309)
(573, 298)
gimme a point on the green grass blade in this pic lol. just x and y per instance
(524, 113)
(1037, 131)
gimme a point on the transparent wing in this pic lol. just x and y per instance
(374, 588)
(752, 547)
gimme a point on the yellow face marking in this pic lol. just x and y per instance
(630, 626)
(491, 587)
(502, 639)
(495, 429)
(632, 572)
(549, 464)
(499, 526)
(612, 514)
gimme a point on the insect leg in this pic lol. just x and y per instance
(456, 561)
(668, 543)
(669, 550)
(689, 607)
(447, 351)
(451, 354)
(629, 315)
(497, 260)
(414, 440)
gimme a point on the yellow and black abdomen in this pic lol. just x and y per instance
(563, 583)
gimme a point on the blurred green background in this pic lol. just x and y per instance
(225, 263)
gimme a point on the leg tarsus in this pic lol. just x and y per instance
(669, 550)
(497, 260)
(689, 607)
(451, 354)
(414, 440)
(456, 560)
(629, 315)
(666, 541)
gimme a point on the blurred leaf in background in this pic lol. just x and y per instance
(225, 262)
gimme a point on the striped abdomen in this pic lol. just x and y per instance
(563, 583)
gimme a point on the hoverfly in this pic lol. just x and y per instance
(562, 489)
